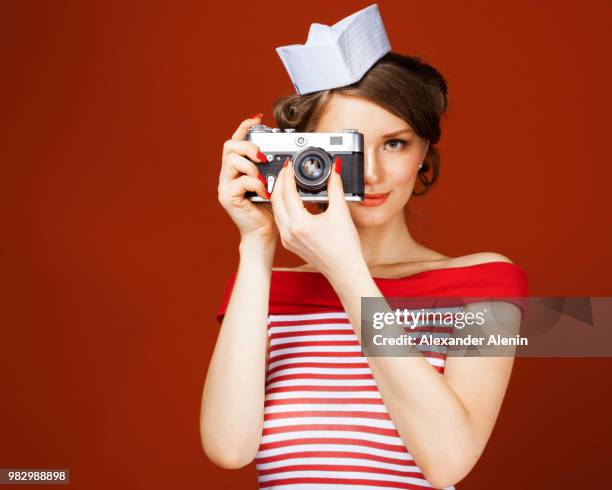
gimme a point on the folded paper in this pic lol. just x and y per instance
(336, 56)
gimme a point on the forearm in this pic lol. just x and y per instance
(233, 397)
(430, 418)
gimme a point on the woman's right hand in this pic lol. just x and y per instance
(238, 175)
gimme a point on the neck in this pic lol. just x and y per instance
(389, 243)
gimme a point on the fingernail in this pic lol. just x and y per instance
(262, 157)
(263, 181)
(338, 165)
(286, 163)
(255, 116)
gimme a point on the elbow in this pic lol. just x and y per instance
(228, 460)
(446, 472)
(442, 481)
(444, 477)
(224, 455)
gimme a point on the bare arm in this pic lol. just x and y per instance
(233, 399)
(231, 417)
(444, 420)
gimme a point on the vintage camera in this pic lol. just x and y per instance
(312, 155)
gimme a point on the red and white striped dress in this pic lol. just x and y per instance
(325, 423)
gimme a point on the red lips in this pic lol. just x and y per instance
(374, 199)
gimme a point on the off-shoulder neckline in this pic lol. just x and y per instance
(429, 271)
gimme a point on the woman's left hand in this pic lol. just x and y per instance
(328, 241)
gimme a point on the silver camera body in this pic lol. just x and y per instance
(312, 156)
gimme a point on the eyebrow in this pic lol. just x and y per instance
(399, 131)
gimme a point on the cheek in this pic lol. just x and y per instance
(402, 176)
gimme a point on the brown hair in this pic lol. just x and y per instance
(404, 85)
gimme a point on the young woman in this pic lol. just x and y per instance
(288, 384)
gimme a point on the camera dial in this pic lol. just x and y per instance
(260, 128)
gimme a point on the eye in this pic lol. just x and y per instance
(396, 144)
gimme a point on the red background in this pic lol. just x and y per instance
(115, 250)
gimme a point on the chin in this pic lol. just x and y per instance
(364, 217)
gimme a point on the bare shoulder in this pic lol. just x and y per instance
(478, 258)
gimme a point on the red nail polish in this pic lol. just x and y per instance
(262, 157)
(263, 180)
(268, 195)
(255, 116)
(286, 163)
(338, 165)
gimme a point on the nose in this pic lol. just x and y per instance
(372, 169)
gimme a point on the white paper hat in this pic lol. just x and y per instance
(338, 55)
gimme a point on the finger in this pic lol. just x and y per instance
(335, 190)
(243, 129)
(280, 213)
(291, 198)
(237, 187)
(244, 148)
(236, 165)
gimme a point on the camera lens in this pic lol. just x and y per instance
(312, 167)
